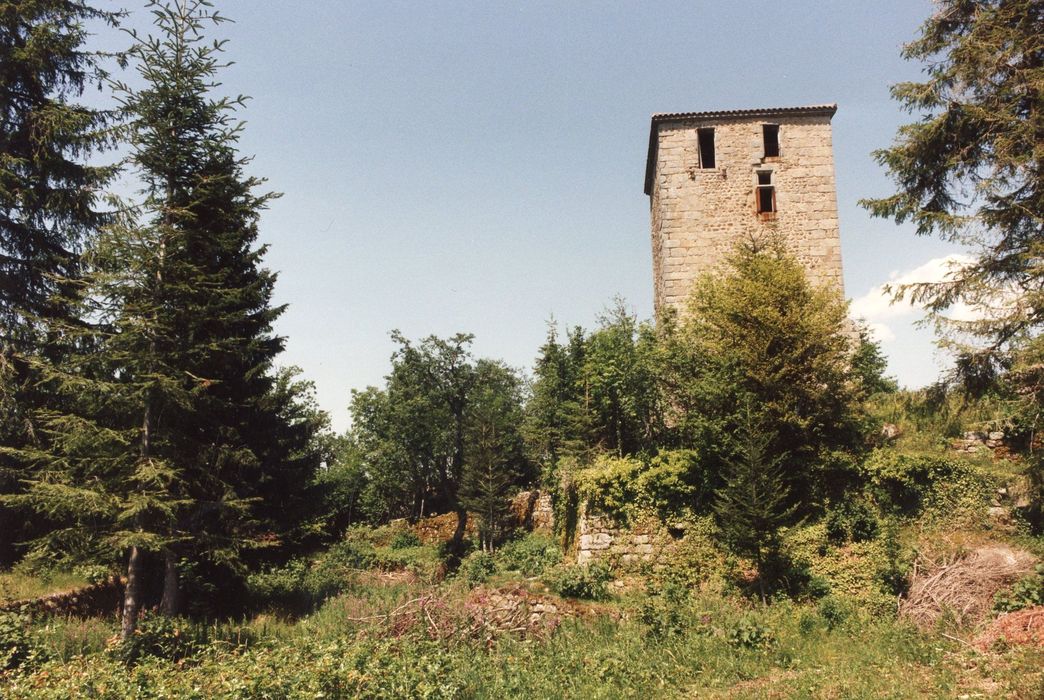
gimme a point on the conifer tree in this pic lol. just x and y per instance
(970, 168)
(170, 449)
(48, 198)
(495, 461)
(752, 505)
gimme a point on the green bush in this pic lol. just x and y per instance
(853, 520)
(303, 583)
(609, 484)
(834, 611)
(672, 482)
(176, 639)
(404, 540)
(749, 633)
(909, 485)
(664, 611)
(585, 581)
(18, 648)
(531, 555)
(477, 567)
(1025, 593)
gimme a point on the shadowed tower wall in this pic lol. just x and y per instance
(715, 179)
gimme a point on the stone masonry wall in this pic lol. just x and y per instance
(603, 539)
(698, 215)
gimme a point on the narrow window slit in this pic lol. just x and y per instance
(770, 134)
(706, 143)
(766, 192)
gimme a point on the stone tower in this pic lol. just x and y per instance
(717, 178)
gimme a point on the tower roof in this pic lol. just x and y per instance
(823, 110)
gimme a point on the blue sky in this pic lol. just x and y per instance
(477, 166)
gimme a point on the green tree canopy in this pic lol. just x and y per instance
(759, 333)
(971, 169)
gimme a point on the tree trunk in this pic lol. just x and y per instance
(456, 543)
(171, 600)
(132, 594)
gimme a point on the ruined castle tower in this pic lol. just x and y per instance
(717, 178)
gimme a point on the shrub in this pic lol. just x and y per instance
(749, 633)
(18, 648)
(175, 639)
(833, 611)
(303, 583)
(1026, 592)
(585, 581)
(609, 484)
(405, 539)
(531, 555)
(853, 520)
(909, 485)
(676, 480)
(894, 575)
(477, 567)
(93, 573)
(663, 611)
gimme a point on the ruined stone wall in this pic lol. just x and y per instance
(601, 538)
(698, 215)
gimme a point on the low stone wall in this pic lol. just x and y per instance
(98, 599)
(531, 510)
(625, 545)
(975, 442)
(541, 516)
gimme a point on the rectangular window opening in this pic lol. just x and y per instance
(706, 142)
(766, 193)
(770, 133)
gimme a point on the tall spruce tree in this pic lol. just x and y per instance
(971, 168)
(48, 200)
(170, 447)
(752, 505)
(495, 461)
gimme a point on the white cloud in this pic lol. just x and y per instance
(876, 306)
(880, 332)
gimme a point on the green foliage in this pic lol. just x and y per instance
(752, 506)
(303, 583)
(1024, 593)
(853, 519)
(18, 648)
(968, 169)
(404, 539)
(51, 181)
(749, 633)
(494, 452)
(443, 435)
(909, 485)
(477, 567)
(664, 611)
(834, 611)
(761, 335)
(718, 649)
(609, 484)
(530, 555)
(584, 581)
(869, 365)
(674, 482)
(894, 572)
(176, 639)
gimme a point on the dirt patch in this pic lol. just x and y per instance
(1020, 628)
(484, 614)
(437, 529)
(963, 585)
(379, 578)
